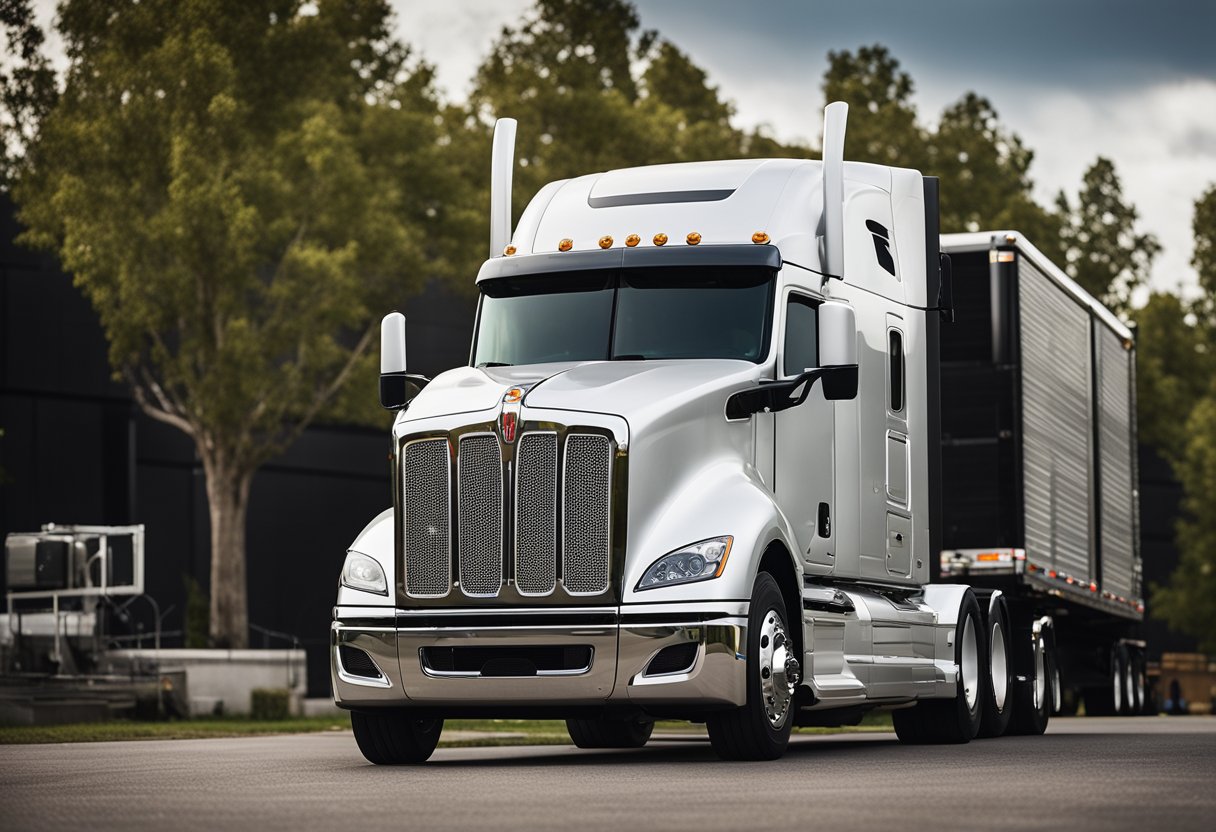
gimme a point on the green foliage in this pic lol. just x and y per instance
(1188, 602)
(883, 126)
(27, 85)
(269, 704)
(1105, 253)
(567, 74)
(1173, 371)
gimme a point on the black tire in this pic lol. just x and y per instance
(1121, 667)
(609, 733)
(1033, 696)
(389, 738)
(998, 678)
(941, 721)
(746, 733)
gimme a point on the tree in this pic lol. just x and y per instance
(569, 74)
(1173, 368)
(27, 85)
(240, 187)
(883, 126)
(1105, 254)
(1188, 603)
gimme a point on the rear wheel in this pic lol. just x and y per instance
(760, 729)
(609, 733)
(394, 737)
(997, 680)
(954, 720)
(1033, 694)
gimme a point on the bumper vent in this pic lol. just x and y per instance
(541, 660)
(357, 663)
(678, 658)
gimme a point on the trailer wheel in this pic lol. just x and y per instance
(997, 678)
(609, 733)
(957, 720)
(1034, 695)
(760, 729)
(389, 738)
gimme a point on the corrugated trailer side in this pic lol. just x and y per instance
(1040, 497)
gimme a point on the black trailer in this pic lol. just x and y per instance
(1039, 495)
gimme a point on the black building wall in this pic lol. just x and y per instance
(78, 450)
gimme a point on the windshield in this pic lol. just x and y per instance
(681, 312)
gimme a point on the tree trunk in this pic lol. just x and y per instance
(228, 499)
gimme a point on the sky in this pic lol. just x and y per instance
(1135, 82)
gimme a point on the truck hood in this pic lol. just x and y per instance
(639, 391)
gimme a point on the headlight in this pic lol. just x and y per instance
(362, 572)
(695, 562)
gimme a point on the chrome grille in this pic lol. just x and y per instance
(585, 512)
(480, 518)
(425, 496)
(536, 514)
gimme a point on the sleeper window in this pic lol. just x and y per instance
(896, 354)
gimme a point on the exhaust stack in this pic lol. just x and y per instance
(834, 117)
(502, 163)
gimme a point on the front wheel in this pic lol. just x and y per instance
(389, 738)
(760, 729)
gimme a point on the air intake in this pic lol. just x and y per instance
(357, 663)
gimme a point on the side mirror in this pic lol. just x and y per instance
(397, 387)
(837, 371)
(838, 350)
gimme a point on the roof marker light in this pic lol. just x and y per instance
(693, 238)
(632, 240)
(760, 238)
(565, 245)
(509, 250)
(660, 239)
(606, 241)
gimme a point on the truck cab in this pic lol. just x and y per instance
(689, 472)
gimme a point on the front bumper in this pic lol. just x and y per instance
(623, 642)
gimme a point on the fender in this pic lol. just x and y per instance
(720, 499)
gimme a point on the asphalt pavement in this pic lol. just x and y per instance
(1131, 773)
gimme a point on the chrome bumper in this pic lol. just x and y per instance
(623, 642)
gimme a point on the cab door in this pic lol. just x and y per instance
(804, 472)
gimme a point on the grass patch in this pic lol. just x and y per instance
(502, 731)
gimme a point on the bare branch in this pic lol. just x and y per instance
(158, 413)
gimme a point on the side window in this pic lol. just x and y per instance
(801, 335)
(895, 354)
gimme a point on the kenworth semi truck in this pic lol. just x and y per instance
(693, 470)
(1039, 480)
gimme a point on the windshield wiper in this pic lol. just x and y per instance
(494, 364)
(630, 357)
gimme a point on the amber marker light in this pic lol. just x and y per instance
(509, 250)
(693, 238)
(606, 241)
(760, 238)
(660, 239)
(632, 240)
(565, 245)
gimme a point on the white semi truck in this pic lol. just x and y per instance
(692, 471)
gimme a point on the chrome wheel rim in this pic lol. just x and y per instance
(971, 664)
(780, 670)
(1118, 689)
(999, 666)
(1040, 674)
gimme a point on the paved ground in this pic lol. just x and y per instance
(1142, 773)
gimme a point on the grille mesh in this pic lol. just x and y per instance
(536, 514)
(425, 490)
(480, 488)
(585, 548)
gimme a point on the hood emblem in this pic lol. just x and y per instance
(508, 418)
